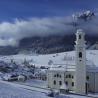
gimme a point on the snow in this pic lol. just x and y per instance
(34, 82)
(64, 59)
(59, 58)
(7, 90)
(12, 90)
(64, 86)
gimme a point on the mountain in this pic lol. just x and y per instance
(46, 45)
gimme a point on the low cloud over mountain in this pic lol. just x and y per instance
(12, 32)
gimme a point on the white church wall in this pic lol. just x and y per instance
(69, 79)
(49, 79)
(90, 81)
(55, 79)
(75, 80)
(96, 82)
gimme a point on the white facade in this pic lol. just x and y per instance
(75, 76)
(55, 78)
(80, 74)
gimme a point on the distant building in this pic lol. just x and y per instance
(79, 76)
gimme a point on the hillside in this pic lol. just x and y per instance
(58, 58)
(46, 45)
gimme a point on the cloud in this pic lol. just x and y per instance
(8, 42)
(12, 32)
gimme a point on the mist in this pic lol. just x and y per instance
(12, 32)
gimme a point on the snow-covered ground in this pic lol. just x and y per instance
(12, 90)
(58, 58)
(34, 82)
(66, 58)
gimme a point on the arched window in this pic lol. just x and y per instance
(54, 75)
(66, 76)
(60, 82)
(80, 54)
(60, 76)
(66, 82)
(54, 82)
(72, 77)
(69, 76)
(57, 75)
(79, 36)
(72, 83)
(87, 77)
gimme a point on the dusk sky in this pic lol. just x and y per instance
(26, 18)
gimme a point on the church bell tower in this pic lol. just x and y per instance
(80, 73)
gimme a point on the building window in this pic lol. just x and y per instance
(69, 76)
(57, 75)
(60, 76)
(79, 36)
(54, 82)
(87, 77)
(66, 76)
(54, 75)
(72, 83)
(66, 82)
(80, 54)
(60, 82)
(72, 77)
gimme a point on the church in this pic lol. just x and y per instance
(78, 77)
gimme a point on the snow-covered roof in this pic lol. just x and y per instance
(60, 69)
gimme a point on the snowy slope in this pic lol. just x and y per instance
(60, 58)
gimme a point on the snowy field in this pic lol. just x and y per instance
(21, 90)
(34, 82)
(58, 58)
(10, 90)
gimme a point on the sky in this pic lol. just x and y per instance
(24, 9)
(26, 18)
